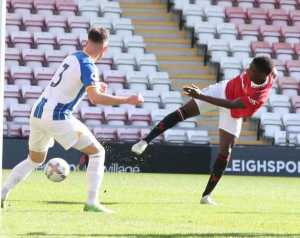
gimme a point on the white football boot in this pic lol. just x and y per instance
(207, 200)
(139, 147)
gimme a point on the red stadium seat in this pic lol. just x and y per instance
(297, 49)
(293, 67)
(56, 24)
(33, 23)
(43, 75)
(288, 4)
(105, 133)
(139, 116)
(43, 7)
(283, 51)
(128, 134)
(21, 75)
(248, 32)
(270, 33)
(44, 40)
(33, 57)
(13, 22)
(19, 110)
(280, 66)
(235, 15)
(115, 116)
(11, 94)
(279, 17)
(68, 42)
(22, 6)
(115, 78)
(66, 7)
(288, 86)
(54, 57)
(261, 48)
(12, 57)
(295, 101)
(78, 25)
(267, 4)
(257, 16)
(31, 93)
(291, 34)
(295, 17)
(21, 39)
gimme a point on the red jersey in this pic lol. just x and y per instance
(253, 96)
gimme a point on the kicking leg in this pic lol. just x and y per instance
(21, 171)
(227, 141)
(188, 110)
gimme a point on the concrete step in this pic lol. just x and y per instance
(150, 15)
(173, 51)
(162, 33)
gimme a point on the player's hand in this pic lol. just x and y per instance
(103, 87)
(135, 99)
(192, 91)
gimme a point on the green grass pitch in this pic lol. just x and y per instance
(154, 205)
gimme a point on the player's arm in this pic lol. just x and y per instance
(195, 92)
(98, 97)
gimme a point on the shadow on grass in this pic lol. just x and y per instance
(204, 235)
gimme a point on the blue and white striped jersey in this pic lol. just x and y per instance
(66, 88)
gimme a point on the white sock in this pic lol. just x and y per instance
(95, 172)
(18, 174)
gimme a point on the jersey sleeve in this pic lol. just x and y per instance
(89, 75)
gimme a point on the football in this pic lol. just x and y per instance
(57, 169)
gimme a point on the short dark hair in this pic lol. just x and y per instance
(98, 35)
(263, 64)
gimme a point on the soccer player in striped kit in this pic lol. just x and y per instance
(51, 118)
(237, 98)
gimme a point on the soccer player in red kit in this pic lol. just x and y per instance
(237, 98)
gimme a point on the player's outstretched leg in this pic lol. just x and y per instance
(188, 110)
(226, 143)
(20, 173)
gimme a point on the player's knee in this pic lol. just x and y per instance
(37, 157)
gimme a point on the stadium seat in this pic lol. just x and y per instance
(66, 7)
(134, 44)
(197, 136)
(115, 45)
(239, 49)
(68, 42)
(280, 138)
(270, 33)
(56, 24)
(283, 51)
(288, 5)
(230, 67)
(124, 61)
(280, 66)
(137, 80)
(44, 8)
(21, 75)
(92, 116)
(123, 27)
(13, 22)
(298, 139)
(261, 48)
(43, 75)
(139, 116)
(128, 134)
(291, 122)
(280, 103)
(22, 6)
(54, 57)
(297, 50)
(115, 78)
(159, 81)
(11, 95)
(223, 3)
(204, 32)
(226, 31)
(21, 39)
(44, 40)
(217, 48)
(151, 100)
(248, 32)
(115, 116)
(171, 100)
(89, 8)
(125, 93)
(12, 57)
(175, 136)
(14, 130)
(101, 21)
(145, 131)
(289, 86)
(192, 15)
(293, 68)
(267, 4)
(33, 23)
(188, 123)
(257, 16)
(291, 34)
(214, 14)
(245, 3)
(5, 128)
(78, 24)
(295, 101)
(110, 10)
(279, 17)
(25, 130)
(31, 93)
(147, 63)
(235, 15)
(259, 112)
(105, 133)
(33, 57)
(19, 110)
(270, 123)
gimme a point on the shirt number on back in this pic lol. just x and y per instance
(54, 84)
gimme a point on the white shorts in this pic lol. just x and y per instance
(226, 121)
(66, 132)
